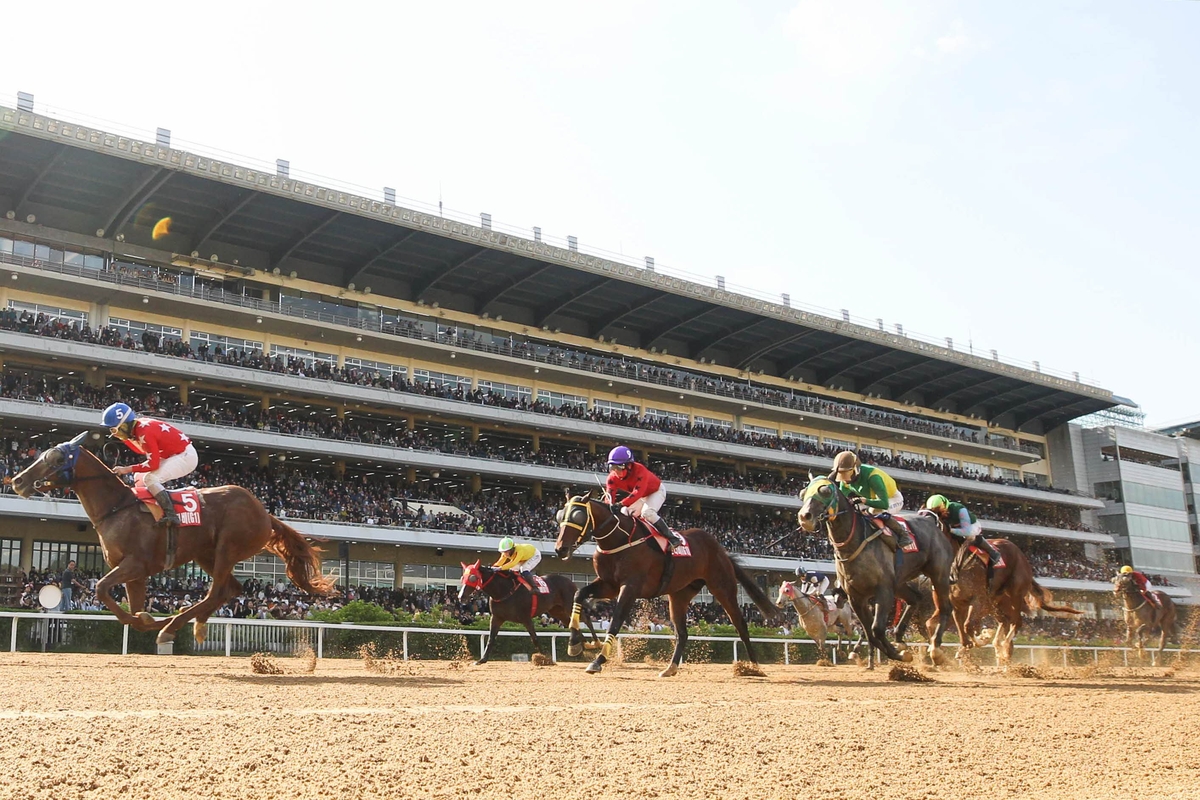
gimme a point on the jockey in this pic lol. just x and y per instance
(874, 492)
(169, 453)
(963, 525)
(520, 557)
(644, 492)
(1143, 584)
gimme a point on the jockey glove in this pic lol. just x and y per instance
(616, 508)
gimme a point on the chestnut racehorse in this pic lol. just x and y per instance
(1013, 592)
(1141, 615)
(234, 527)
(510, 601)
(630, 565)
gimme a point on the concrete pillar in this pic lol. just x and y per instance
(474, 433)
(592, 448)
(412, 423)
(341, 411)
(537, 443)
(476, 483)
(264, 459)
(410, 475)
(537, 490)
(184, 388)
(739, 467)
(265, 403)
(695, 505)
(95, 377)
(339, 468)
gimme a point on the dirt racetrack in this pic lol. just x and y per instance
(107, 727)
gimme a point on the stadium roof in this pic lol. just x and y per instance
(115, 188)
(1188, 429)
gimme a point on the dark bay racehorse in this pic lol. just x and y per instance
(235, 527)
(1141, 615)
(630, 565)
(510, 601)
(867, 567)
(1012, 592)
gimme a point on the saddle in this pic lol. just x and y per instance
(880, 523)
(682, 551)
(188, 504)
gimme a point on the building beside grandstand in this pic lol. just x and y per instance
(412, 387)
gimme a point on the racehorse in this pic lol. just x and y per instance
(819, 615)
(630, 565)
(918, 601)
(510, 601)
(1011, 593)
(234, 527)
(1142, 615)
(867, 567)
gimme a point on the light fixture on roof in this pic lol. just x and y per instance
(31, 219)
(358, 338)
(195, 254)
(214, 258)
(292, 274)
(258, 320)
(275, 271)
(10, 214)
(99, 232)
(15, 276)
(145, 299)
(610, 383)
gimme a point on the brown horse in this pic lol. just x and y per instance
(630, 565)
(1011, 593)
(234, 527)
(510, 601)
(1141, 615)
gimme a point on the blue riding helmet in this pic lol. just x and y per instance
(620, 456)
(117, 414)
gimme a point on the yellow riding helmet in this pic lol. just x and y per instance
(1125, 570)
(936, 501)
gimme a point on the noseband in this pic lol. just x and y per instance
(64, 475)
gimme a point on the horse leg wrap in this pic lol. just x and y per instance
(576, 610)
(609, 645)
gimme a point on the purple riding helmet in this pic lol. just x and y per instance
(620, 456)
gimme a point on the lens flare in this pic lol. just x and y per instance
(161, 228)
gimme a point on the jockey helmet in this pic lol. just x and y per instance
(506, 544)
(937, 502)
(119, 419)
(846, 461)
(1125, 570)
(620, 456)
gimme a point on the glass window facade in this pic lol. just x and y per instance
(225, 343)
(760, 429)
(1152, 528)
(661, 413)
(611, 406)
(1141, 494)
(391, 371)
(509, 391)
(1161, 560)
(10, 555)
(55, 555)
(53, 312)
(443, 379)
(557, 399)
(307, 356)
(714, 422)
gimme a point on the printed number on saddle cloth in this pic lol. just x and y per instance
(539, 584)
(682, 551)
(187, 504)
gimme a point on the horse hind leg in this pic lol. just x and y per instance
(726, 595)
(678, 603)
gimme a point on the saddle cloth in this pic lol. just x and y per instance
(187, 504)
(683, 551)
(540, 585)
(909, 548)
(982, 555)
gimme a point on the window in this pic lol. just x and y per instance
(381, 574)
(214, 341)
(841, 444)
(973, 468)
(1008, 474)
(10, 552)
(612, 406)
(54, 556)
(1158, 496)
(674, 416)
(870, 450)
(53, 312)
(442, 379)
(307, 356)
(1154, 528)
(803, 437)
(559, 399)
(430, 576)
(1161, 560)
(509, 391)
(909, 455)
(393, 371)
(765, 431)
(938, 461)
(714, 422)
(137, 328)
(264, 567)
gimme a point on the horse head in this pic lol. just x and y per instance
(787, 591)
(1123, 584)
(53, 469)
(576, 521)
(472, 579)
(821, 501)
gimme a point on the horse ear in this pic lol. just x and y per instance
(464, 566)
(566, 492)
(587, 495)
(478, 561)
(811, 477)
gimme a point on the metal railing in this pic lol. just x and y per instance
(237, 636)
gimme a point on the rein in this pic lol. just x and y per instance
(590, 528)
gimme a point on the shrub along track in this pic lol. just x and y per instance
(164, 727)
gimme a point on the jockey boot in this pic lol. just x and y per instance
(994, 557)
(903, 537)
(167, 505)
(672, 538)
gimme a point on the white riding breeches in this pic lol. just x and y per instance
(895, 504)
(531, 562)
(647, 507)
(169, 469)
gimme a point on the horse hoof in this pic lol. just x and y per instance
(574, 649)
(594, 668)
(480, 663)
(164, 637)
(670, 672)
(199, 631)
(906, 656)
(147, 620)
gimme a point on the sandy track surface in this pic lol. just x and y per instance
(167, 727)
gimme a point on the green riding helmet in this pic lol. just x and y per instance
(506, 544)
(936, 502)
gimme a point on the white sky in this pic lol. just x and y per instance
(1022, 176)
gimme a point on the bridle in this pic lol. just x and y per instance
(830, 511)
(577, 505)
(64, 477)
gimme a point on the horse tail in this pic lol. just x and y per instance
(769, 610)
(1041, 597)
(302, 559)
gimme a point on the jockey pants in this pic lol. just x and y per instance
(647, 507)
(530, 563)
(169, 469)
(895, 504)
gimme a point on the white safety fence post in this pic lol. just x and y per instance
(125, 640)
(553, 647)
(12, 644)
(228, 639)
(404, 638)
(321, 642)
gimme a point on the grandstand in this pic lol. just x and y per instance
(413, 387)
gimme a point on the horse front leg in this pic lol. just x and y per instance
(885, 604)
(575, 642)
(625, 598)
(133, 575)
(493, 630)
